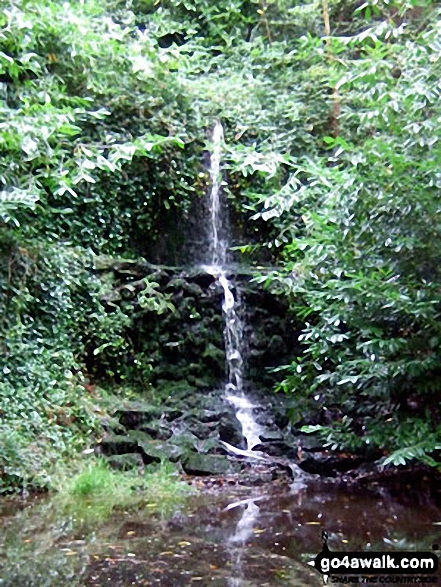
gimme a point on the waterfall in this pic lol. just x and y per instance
(233, 334)
(218, 246)
(233, 331)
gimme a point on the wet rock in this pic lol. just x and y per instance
(329, 465)
(271, 435)
(197, 464)
(186, 344)
(229, 431)
(184, 437)
(207, 446)
(208, 416)
(138, 436)
(172, 414)
(257, 474)
(157, 429)
(278, 449)
(132, 414)
(156, 451)
(204, 431)
(309, 442)
(204, 280)
(125, 462)
(113, 444)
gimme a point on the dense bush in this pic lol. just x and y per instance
(359, 238)
(96, 151)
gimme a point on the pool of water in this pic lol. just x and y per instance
(247, 537)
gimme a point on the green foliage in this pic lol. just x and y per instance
(57, 333)
(97, 480)
(413, 439)
(353, 218)
(332, 155)
(93, 493)
(94, 155)
(153, 300)
(338, 437)
(164, 488)
(74, 87)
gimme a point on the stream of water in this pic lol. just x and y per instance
(233, 330)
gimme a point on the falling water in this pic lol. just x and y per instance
(233, 332)
(233, 338)
(217, 244)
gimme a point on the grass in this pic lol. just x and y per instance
(99, 480)
(96, 491)
(163, 485)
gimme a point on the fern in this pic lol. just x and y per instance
(420, 451)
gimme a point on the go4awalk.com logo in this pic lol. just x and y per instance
(376, 567)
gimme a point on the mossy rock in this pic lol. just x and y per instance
(115, 444)
(156, 429)
(139, 436)
(131, 414)
(125, 462)
(197, 464)
(158, 451)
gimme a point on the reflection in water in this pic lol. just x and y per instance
(237, 542)
(218, 540)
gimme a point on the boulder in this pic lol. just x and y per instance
(197, 464)
(116, 444)
(156, 451)
(125, 462)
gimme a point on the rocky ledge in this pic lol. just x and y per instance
(190, 430)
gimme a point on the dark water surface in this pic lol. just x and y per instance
(248, 537)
